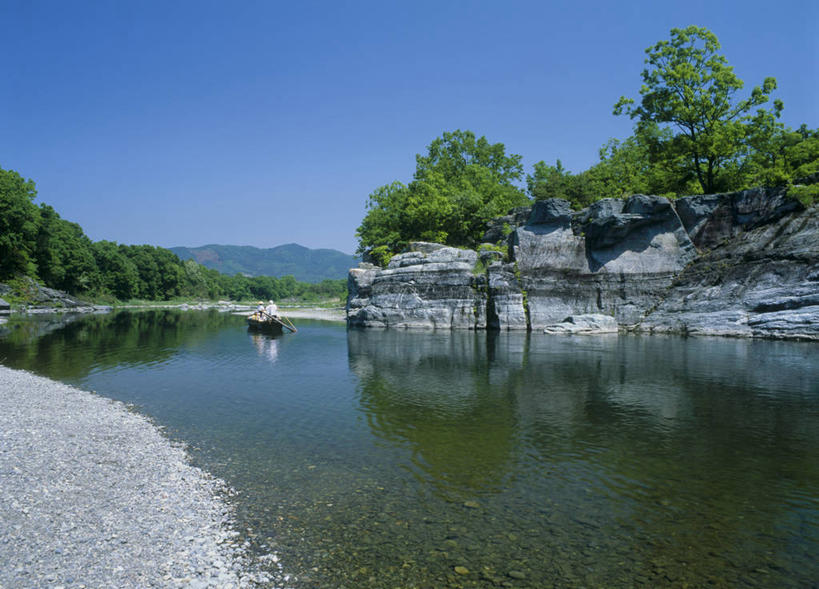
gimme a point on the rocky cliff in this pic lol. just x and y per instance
(744, 263)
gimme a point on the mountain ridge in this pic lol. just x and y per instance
(303, 263)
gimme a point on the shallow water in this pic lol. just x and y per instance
(393, 458)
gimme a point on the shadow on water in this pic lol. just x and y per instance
(389, 458)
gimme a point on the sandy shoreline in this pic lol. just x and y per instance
(94, 495)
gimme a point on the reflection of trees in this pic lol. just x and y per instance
(681, 450)
(70, 350)
(433, 394)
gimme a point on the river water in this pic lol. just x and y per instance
(437, 459)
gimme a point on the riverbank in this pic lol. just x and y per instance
(94, 495)
(299, 312)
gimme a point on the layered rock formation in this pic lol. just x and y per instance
(429, 286)
(744, 263)
(763, 282)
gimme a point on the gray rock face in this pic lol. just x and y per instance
(505, 302)
(431, 286)
(5, 308)
(42, 296)
(712, 218)
(762, 283)
(616, 257)
(633, 260)
(498, 229)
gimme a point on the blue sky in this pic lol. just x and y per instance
(263, 123)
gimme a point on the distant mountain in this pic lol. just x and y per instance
(305, 264)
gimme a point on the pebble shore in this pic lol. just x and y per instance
(93, 495)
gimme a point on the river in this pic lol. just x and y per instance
(432, 459)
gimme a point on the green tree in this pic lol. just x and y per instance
(19, 223)
(777, 154)
(452, 154)
(689, 87)
(461, 183)
(549, 181)
(119, 275)
(65, 255)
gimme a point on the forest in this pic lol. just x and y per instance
(694, 133)
(35, 242)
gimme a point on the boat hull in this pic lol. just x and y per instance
(270, 327)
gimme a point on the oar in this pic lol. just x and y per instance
(281, 321)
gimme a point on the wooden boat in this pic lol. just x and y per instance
(270, 324)
(265, 325)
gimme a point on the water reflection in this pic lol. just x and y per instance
(616, 461)
(70, 347)
(434, 395)
(266, 345)
(674, 449)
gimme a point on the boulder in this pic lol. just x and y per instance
(552, 211)
(590, 324)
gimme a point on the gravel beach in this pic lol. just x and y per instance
(92, 495)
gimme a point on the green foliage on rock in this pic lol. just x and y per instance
(807, 195)
(461, 183)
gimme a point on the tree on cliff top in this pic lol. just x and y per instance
(460, 184)
(690, 88)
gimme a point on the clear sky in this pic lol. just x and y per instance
(263, 123)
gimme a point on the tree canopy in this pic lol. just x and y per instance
(689, 87)
(461, 183)
(693, 133)
(19, 220)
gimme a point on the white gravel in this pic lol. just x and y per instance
(92, 495)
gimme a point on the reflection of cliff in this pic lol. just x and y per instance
(638, 422)
(434, 394)
(72, 350)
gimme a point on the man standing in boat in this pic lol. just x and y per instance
(271, 310)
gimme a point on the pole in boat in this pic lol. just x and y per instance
(281, 320)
